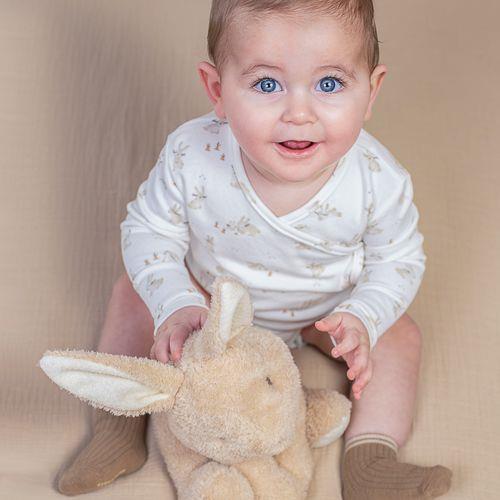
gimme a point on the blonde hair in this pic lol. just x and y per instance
(354, 15)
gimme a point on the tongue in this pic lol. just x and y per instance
(296, 144)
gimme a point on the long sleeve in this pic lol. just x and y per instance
(394, 258)
(155, 240)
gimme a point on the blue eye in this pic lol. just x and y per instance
(267, 85)
(328, 84)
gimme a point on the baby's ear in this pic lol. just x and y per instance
(122, 385)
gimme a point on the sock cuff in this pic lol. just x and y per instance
(371, 438)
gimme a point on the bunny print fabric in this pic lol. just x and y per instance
(354, 246)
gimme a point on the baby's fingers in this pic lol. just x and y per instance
(363, 379)
(349, 343)
(360, 362)
(177, 340)
(161, 349)
(331, 322)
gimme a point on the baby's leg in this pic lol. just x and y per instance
(117, 446)
(381, 422)
(128, 326)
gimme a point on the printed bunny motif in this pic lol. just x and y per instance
(231, 417)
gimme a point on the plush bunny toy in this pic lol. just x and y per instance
(231, 417)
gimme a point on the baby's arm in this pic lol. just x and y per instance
(155, 239)
(394, 256)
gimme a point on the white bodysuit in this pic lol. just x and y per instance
(353, 247)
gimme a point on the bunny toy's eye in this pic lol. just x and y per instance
(268, 380)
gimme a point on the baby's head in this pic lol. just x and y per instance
(293, 70)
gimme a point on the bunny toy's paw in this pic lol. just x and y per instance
(328, 415)
(214, 481)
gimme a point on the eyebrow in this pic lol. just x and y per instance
(339, 67)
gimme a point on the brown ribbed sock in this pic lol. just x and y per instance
(370, 471)
(117, 447)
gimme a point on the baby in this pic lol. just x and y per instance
(281, 187)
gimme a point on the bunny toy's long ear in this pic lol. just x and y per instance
(120, 384)
(230, 312)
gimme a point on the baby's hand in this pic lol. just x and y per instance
(173, 332)
(353, 343)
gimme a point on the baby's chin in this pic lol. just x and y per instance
(278, 169)
(300, 176)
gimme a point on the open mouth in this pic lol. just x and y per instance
(297, 149)
(296, 145)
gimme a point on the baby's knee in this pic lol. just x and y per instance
(407, 333)
(413, 332)
(123, 289)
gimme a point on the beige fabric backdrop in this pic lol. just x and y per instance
(89, 89)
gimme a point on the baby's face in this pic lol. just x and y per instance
(300, 98)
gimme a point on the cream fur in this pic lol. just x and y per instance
(231, 417)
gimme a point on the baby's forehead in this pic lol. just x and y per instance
(280, 37)
(243, 23)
